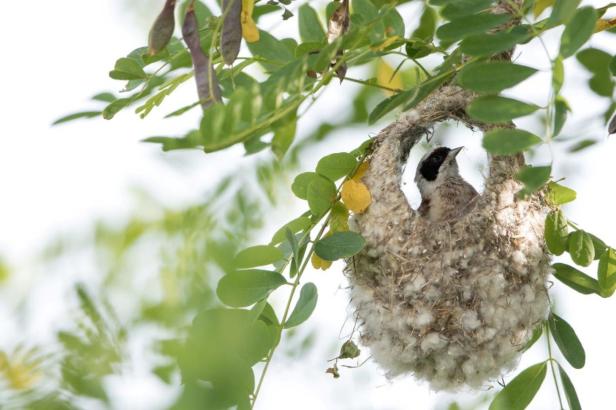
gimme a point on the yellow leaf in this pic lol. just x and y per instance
(361, 171)
(319, 263)
(355, 196)
(541, 5)
(385, 77)
(603, 24)
(250, 32)
(21, 376)
(3, 361)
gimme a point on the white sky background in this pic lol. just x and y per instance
(52, 180)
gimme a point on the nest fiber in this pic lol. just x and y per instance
(452, 303)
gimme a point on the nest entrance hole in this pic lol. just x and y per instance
(472, 161)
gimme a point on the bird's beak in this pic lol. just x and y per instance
(456, 151)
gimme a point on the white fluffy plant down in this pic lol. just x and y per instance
(452, 303)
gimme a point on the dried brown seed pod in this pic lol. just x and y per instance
(338, 23)
(162, 29)
(231, 36)
(611, 128)
(208, 87)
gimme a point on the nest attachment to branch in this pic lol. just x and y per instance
(452, 303)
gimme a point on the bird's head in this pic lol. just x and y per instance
(436, 166)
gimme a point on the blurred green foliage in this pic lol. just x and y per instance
(164, 267)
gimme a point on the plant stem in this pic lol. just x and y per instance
(287, 308)
(371, 84)
(426, 72)
(552, 360)
(295, 284)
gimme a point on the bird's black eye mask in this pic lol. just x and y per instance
(429, 168)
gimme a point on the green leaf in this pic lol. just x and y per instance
(301, 182)
(171, 143)
(602, 84)
(493, 77)
(296, 225)
(389, 104)
(304, 307)
(468, 25)
(613, 65)
(427, 24)
(606, 273)
(326, 55)
(220, 341)
(599, 245)
(364, 12)
(308, 48)
(127, 69)
(533, 178)
(284, 134)
(594, 60)
(418, 47)
(537, 332)
(182, 110)
(394, 24)
(567, 341)
(582, 145)
(507, 141)
(578, 31)
(268, 315)
(581, 248)
(104, 97)
(259, 255)
(560, 194)
(562, 12)
(336, 166)
(260, 342)
(558, 74)
(486, 44)
(76, 116)
(570, 393)
(575, 279)
(518, 394)
(274, 51)
(409, 97)
(556, 232)
(425, 88)
(339, 245)
(321, 195)
(165, 89)
(462, 8)
(246, 287)
(540, 6)
(497, 109)
(598, 62)
(560, 114)
(116, 106)
(310, 27)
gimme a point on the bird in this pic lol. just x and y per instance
(445, 195)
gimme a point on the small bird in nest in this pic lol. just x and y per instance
(445, 195)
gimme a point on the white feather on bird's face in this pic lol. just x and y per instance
(435, 168)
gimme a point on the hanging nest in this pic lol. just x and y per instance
(453, 303)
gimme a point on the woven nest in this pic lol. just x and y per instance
(452, 303)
